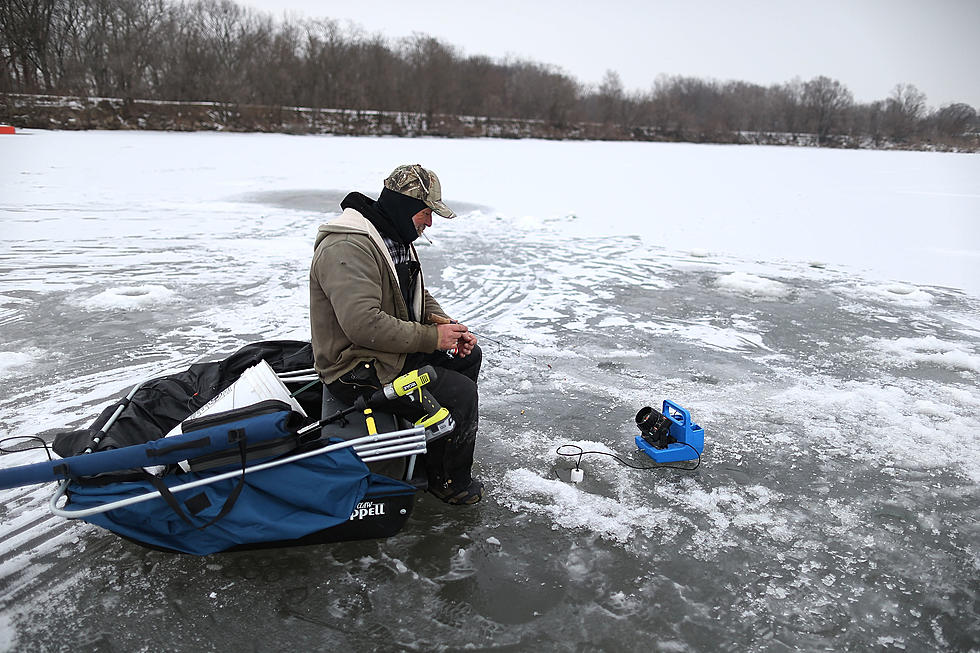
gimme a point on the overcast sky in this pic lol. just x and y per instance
(869, 45)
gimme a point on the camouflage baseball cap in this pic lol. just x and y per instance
(415, 181)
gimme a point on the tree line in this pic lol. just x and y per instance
(216, 50)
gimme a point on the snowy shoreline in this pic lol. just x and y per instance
(52, 112)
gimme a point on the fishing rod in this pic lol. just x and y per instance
(438, 319)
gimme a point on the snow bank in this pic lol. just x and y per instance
(930, 350)
(899, 293)
(11, 360)
(907, 424)
(131, 298)
(749, 284)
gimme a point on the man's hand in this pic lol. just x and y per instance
(464, 340)
(452, 335)
(466, 343)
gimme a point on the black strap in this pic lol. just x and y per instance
(168, 496)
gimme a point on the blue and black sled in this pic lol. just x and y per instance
(255, 477)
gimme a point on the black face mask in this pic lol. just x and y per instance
(399, 210)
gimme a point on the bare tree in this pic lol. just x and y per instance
(788, 101)
(483, 87)
(610, 98)
(380, 72)
(905, 107)
(26, 29)
(826, 101)
(869, 121)
(746, 107)
(953, 120)
(431, 63)
(559, 94)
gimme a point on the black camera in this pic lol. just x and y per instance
(654, 427)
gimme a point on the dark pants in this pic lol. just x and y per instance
(449, 459)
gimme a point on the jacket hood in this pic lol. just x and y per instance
(345, 224)
(360, 203)
(352, 220)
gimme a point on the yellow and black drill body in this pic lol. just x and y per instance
(407, 397)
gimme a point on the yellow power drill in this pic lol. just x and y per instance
(407, 396)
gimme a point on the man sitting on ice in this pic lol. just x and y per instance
(372, 318)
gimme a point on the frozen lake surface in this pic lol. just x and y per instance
(818, 312)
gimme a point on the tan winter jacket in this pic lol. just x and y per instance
(357, 312)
